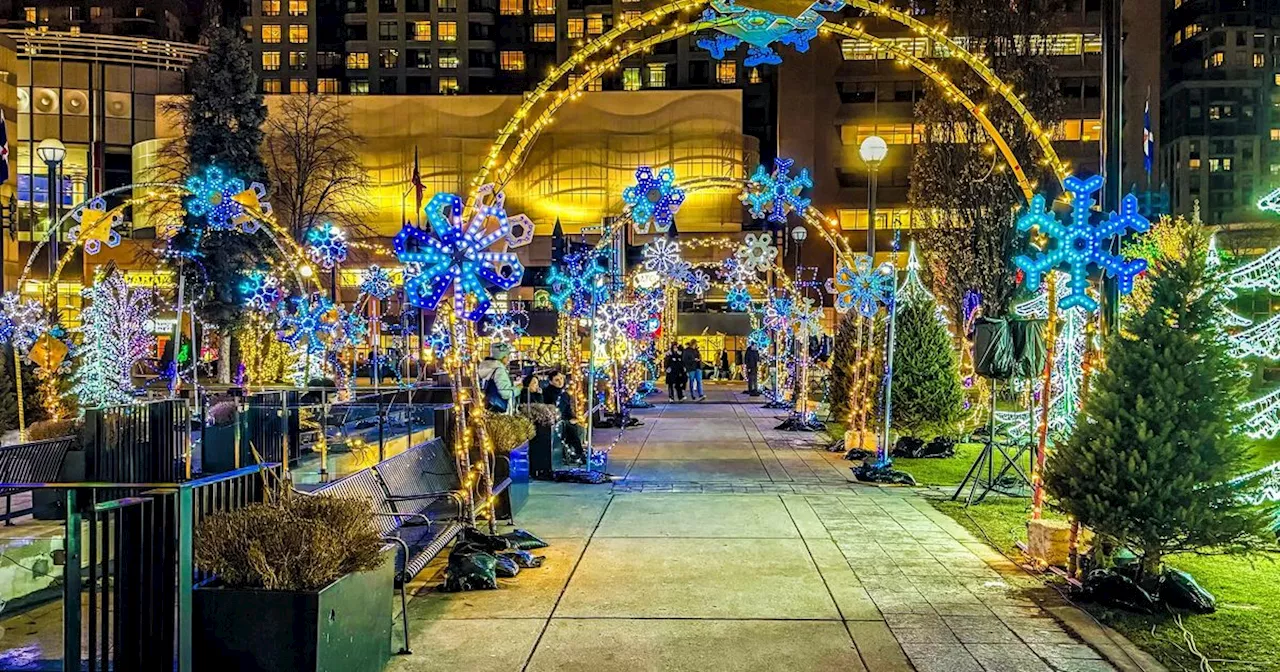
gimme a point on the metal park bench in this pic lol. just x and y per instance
(31, 462)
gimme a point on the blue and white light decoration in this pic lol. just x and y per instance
(377, 283)
(576, 283)
(662, 256)
(653, 199)
(326, 245)
(1078, 244)
(219, 198)
(738, 299)
(506, 327)
(97, 225)
(439, 340)
(24, 321)
(261, 291)
(697, 282)
(354, 327)
(759, 338)
(760, 30)
(456, 257)
(735, 272)
(861, 286)
(774, 195)
(308, 322)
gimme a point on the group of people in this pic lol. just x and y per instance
(548, 387)
(682, 368)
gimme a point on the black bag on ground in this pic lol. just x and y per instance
(506, 567)
(940, 446)
(470, 570)
(1179, 590)
(907, 446)
(580, 476)
(523, 540)
(524, 559)
(473, 538)
(1113, 589)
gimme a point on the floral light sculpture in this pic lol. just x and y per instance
(860, 287)
(327, 245)
(377, 283)
(577, 283)
(697, 282)
(734, 272)
(738, 299)
(662, 256)
(757, 252)
(308, 322)
(261, 290)
(654, 199)
(777, 194)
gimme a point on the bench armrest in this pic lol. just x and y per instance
(423, 516)
(451, 494)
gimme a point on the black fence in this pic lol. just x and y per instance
(138, 443)
(31, 462)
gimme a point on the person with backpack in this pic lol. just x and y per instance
(495, 380)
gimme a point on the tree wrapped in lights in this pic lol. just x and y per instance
(114, 338)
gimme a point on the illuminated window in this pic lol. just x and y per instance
(270, 34)
(270, 60)
(270, 85)
(1092, 130)
(95, 12)
(449, 58)
(1193, 164)
(511, 7)
(1277, 79)
(544, 32)
(448, 6)
(389, 58)
(358, 87)
(1275, 134)
(893, 134)
(327, 85)
(1259, 60)
(577, 28)
(631, 79)
(297, 86)
(299, 33)
(1216, 59)
(1192, 30)
(420, 31)
(358, 60)
(447, 31)
(542, 7)
(630, 15)
(754, 76)
(448, 85)
(298, 7)
(297, 60)
(1177, 37)
(30, 14)
(595, 24)
(511, 60)
(657, 75)
(727, 72)
(1068, 130)
(856, 220)
(270, 7)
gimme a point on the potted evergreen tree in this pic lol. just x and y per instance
(927, 395)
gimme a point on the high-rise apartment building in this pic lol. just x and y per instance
(159, 19)
(1220, 141)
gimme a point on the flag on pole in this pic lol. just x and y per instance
(1148, 138)
(4, 150)
(416, 181)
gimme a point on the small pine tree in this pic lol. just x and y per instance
(1159, 435)
(927, 396)
(8, 392)
(842, 361)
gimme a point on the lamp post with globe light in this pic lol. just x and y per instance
(52, 152)
(872, 150)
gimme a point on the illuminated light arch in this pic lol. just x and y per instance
(533, 127)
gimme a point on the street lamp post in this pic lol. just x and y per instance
(52, 152)
(872, 150)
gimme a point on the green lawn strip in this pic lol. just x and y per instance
(948, 470)
(1246, 626)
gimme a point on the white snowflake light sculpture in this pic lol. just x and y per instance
(861, 287)
(734, 272)
(377, 283)
(327, 245)
(662, 256)
(697, 282)
(757, 252)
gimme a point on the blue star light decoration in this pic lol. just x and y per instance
(654, 199)
(308, 322)
(327, 245)
(1076, 245)
(224, 201)
(261, 291)
(777, 194)
(861, 287)
(377, 283)
(760, 30)
(738, 299)
(457, 257)
(576, 283)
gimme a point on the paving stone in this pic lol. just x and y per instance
(879, 648)
(935, 657)
(492, 644)
(1007, 658)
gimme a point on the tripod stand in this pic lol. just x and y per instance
(986, 461)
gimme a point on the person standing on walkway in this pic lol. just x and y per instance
(692, 360)
(724, 365)
(673, 367)
(752, 361)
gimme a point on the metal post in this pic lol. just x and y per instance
(591, 380)
(71, 588)
(1112, 126)
(177, 327)
(883, 459)
(874, 169)
(186, 573)
(54, 196)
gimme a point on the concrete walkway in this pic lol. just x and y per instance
(729, 546)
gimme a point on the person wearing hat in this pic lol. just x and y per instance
(495, 380)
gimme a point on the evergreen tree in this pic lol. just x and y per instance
(927, 396)
(842, 361)
(8, 392)
(1159, 436)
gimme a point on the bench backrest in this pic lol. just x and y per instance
(367, 485)
(33, 462)
(427, 467)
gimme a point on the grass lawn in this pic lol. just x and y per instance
(1246, 626)
(948, 470)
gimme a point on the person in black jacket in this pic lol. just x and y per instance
(673, 367)
(555, 392)
(692, 360)
(752, 362)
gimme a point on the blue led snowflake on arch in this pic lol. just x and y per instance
(377, 283)
(760, 30)
(760, 339)
(457, 257)
(738, 299)
(327, 245)
(861, 287)
(220, 199)
(777, 194)
(261, 291)
(308, 322)
(653, 199)
(1076, 245)
(575, 283)
(355, 328)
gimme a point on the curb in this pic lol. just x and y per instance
(1114, 647)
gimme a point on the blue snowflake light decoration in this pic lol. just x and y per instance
(576, 282)
(777, 315)
(355, 328)
(457, 257)
(327, 245)
(653, 199)
(308, 322)
(1076, 245)
(738, 299)
(861, 287)
(439, 340)
(697, 282)
(760, 339)
(24, 321)
(760, 30)
(224, 201)
(662, 256)
(777, 194)
(261, 291)
(377, 283)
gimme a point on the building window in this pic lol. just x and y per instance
(542, 7)
(511, 7)
(1259, 60)
(29, 13)
(1275, 134)
(297, 60)
(298, 7)
(388, 30)
(270, 7)
(631, 79)
(447, 31)
(1192, 30)
(299, 33)
(511, 60)
(727, 72)
(544, 32)
(95, 12)
(358, 87)
(389, 58)
(1193, 164)
(327, 85)
(449, 58)
(358, 60)
(577, 28)
(447, 6)
(448, 85)
(270, 60)
(657, 75)
(1276, 79)
(1215, 60)
(270, 34)
(270, 85)
(420, 31)
(630, 15)
(595, 24)
(420, 59)
(297, 86)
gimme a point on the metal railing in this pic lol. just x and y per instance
(139, 443)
